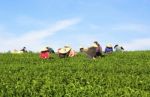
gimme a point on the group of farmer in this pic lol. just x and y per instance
(66, 51)
(94, 51)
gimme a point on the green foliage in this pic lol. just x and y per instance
(116, 75)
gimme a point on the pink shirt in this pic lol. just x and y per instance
(72, 53)
(44, 55)
(99, 49)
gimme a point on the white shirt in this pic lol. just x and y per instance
(118, 48)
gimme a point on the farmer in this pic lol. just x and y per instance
(24, 50)
(50, 50)
(98, 49)
(66, 52)
(108, 49)
(44, 54)
(90, 51)
(71, 52)
(81, 49)
(118, 48)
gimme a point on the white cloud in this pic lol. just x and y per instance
(138, 44)
(33, 39)
(37, 35)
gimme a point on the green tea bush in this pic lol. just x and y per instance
(116, 75)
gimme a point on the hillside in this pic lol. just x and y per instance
(119, 74)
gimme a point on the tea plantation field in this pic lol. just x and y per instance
(117, 75)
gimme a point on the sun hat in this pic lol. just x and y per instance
(94, 45)
(44, 49)
(108, 45)
(67, 48)
(85, 49)
(63, 50)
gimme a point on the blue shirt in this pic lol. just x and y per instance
(108, 49)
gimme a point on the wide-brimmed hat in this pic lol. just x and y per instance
(67, 48)
(108, 45)
(64, 50)
(94, 45)
(44, 49)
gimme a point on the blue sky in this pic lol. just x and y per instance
(55, 23)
